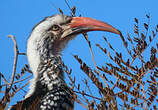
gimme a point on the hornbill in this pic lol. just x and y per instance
(48, 90)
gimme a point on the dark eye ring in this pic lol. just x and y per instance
(55, 28)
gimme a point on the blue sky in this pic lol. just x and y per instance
(17, 17)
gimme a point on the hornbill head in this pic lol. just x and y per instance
(46, 42)
(50, 36)
(61, 29)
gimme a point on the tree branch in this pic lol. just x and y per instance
(16, 51)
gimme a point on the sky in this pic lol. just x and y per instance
(18, 17)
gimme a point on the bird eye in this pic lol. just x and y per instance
(55, 28)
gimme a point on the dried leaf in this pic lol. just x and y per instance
(153, 50)
(136, 20)
(104, 50)
(127, 63)
(150, 38)
(156, 28)
(74, 10)
(105, 39)
(148, 16)
(154, 107)
(143, 36)
(29, 71)
(17, 76)
(26, 66)
(153, 34)
(60, 11)
(78, 87)
(15, 87)
(146, 26)
(152, 78)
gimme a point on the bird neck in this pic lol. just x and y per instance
(51, 73)
(40, 49)
(46, 65)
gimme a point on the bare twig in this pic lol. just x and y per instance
(144, 97)
(15, 61)
(67, 4)
(18, 81)
(87, 95)
(58, 9)
(73, 9)
(21, 53)
(6, 98)
(86, 37)
(12, 95)
(4, 79)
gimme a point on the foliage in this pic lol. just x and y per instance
(134, 77)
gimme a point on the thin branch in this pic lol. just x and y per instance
(18, 81)
(21, 53)
(86, 37)
(5, 99)
(58, 9)
(73, 10)
(125, 43)
(91, 93)
(68, 4)
(6, 82)
(12, 95)
(144, 97)
(15, 60)
(87, 95)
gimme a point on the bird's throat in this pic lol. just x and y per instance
(47, 67)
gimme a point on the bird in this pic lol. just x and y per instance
(48, 89)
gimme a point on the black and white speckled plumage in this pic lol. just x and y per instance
(58, 96)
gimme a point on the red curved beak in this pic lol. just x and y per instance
(85, 24)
